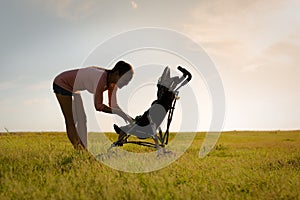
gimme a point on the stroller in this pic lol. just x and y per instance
(146, 126)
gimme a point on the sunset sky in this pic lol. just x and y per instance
(254, 44)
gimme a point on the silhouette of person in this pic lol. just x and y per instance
(96, 80)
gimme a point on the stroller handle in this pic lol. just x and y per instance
(185, 72)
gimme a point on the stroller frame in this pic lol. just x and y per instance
(160, 139)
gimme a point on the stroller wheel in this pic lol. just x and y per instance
(118, 144)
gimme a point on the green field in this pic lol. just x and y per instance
(243, 165)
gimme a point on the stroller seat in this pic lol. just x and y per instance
(146, 125)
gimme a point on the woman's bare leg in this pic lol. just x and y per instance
(79, 117)
(65, 103)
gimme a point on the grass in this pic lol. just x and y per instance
(243, 165)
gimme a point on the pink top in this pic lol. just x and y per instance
(92, 79)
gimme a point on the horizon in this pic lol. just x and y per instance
(223, 131)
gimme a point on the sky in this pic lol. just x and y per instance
(254, 44)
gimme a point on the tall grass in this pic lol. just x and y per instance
(243, 165)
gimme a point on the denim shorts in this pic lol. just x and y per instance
(59, 90)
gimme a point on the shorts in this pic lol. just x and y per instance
(59, 90)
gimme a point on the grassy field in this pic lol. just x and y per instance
(243, 165)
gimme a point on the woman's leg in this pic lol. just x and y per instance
(80, 118)
(65, 103)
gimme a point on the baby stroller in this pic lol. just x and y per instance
(146, 126)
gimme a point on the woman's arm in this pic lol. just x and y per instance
(113, 108)
(112, 97)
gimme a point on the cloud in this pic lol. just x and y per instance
(134, 4)
(283, 50)
(239, 33)
(8, 85)
(13, 83)
(21, 82)
(36, 101)
(41, 85)
(67, 9)
(252, 67)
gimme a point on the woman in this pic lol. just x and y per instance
(67, 86)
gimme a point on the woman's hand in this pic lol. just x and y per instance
(128, 119)
(122, 114)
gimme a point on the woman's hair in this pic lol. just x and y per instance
(122, 67)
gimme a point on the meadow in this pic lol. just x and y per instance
(243, 165)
